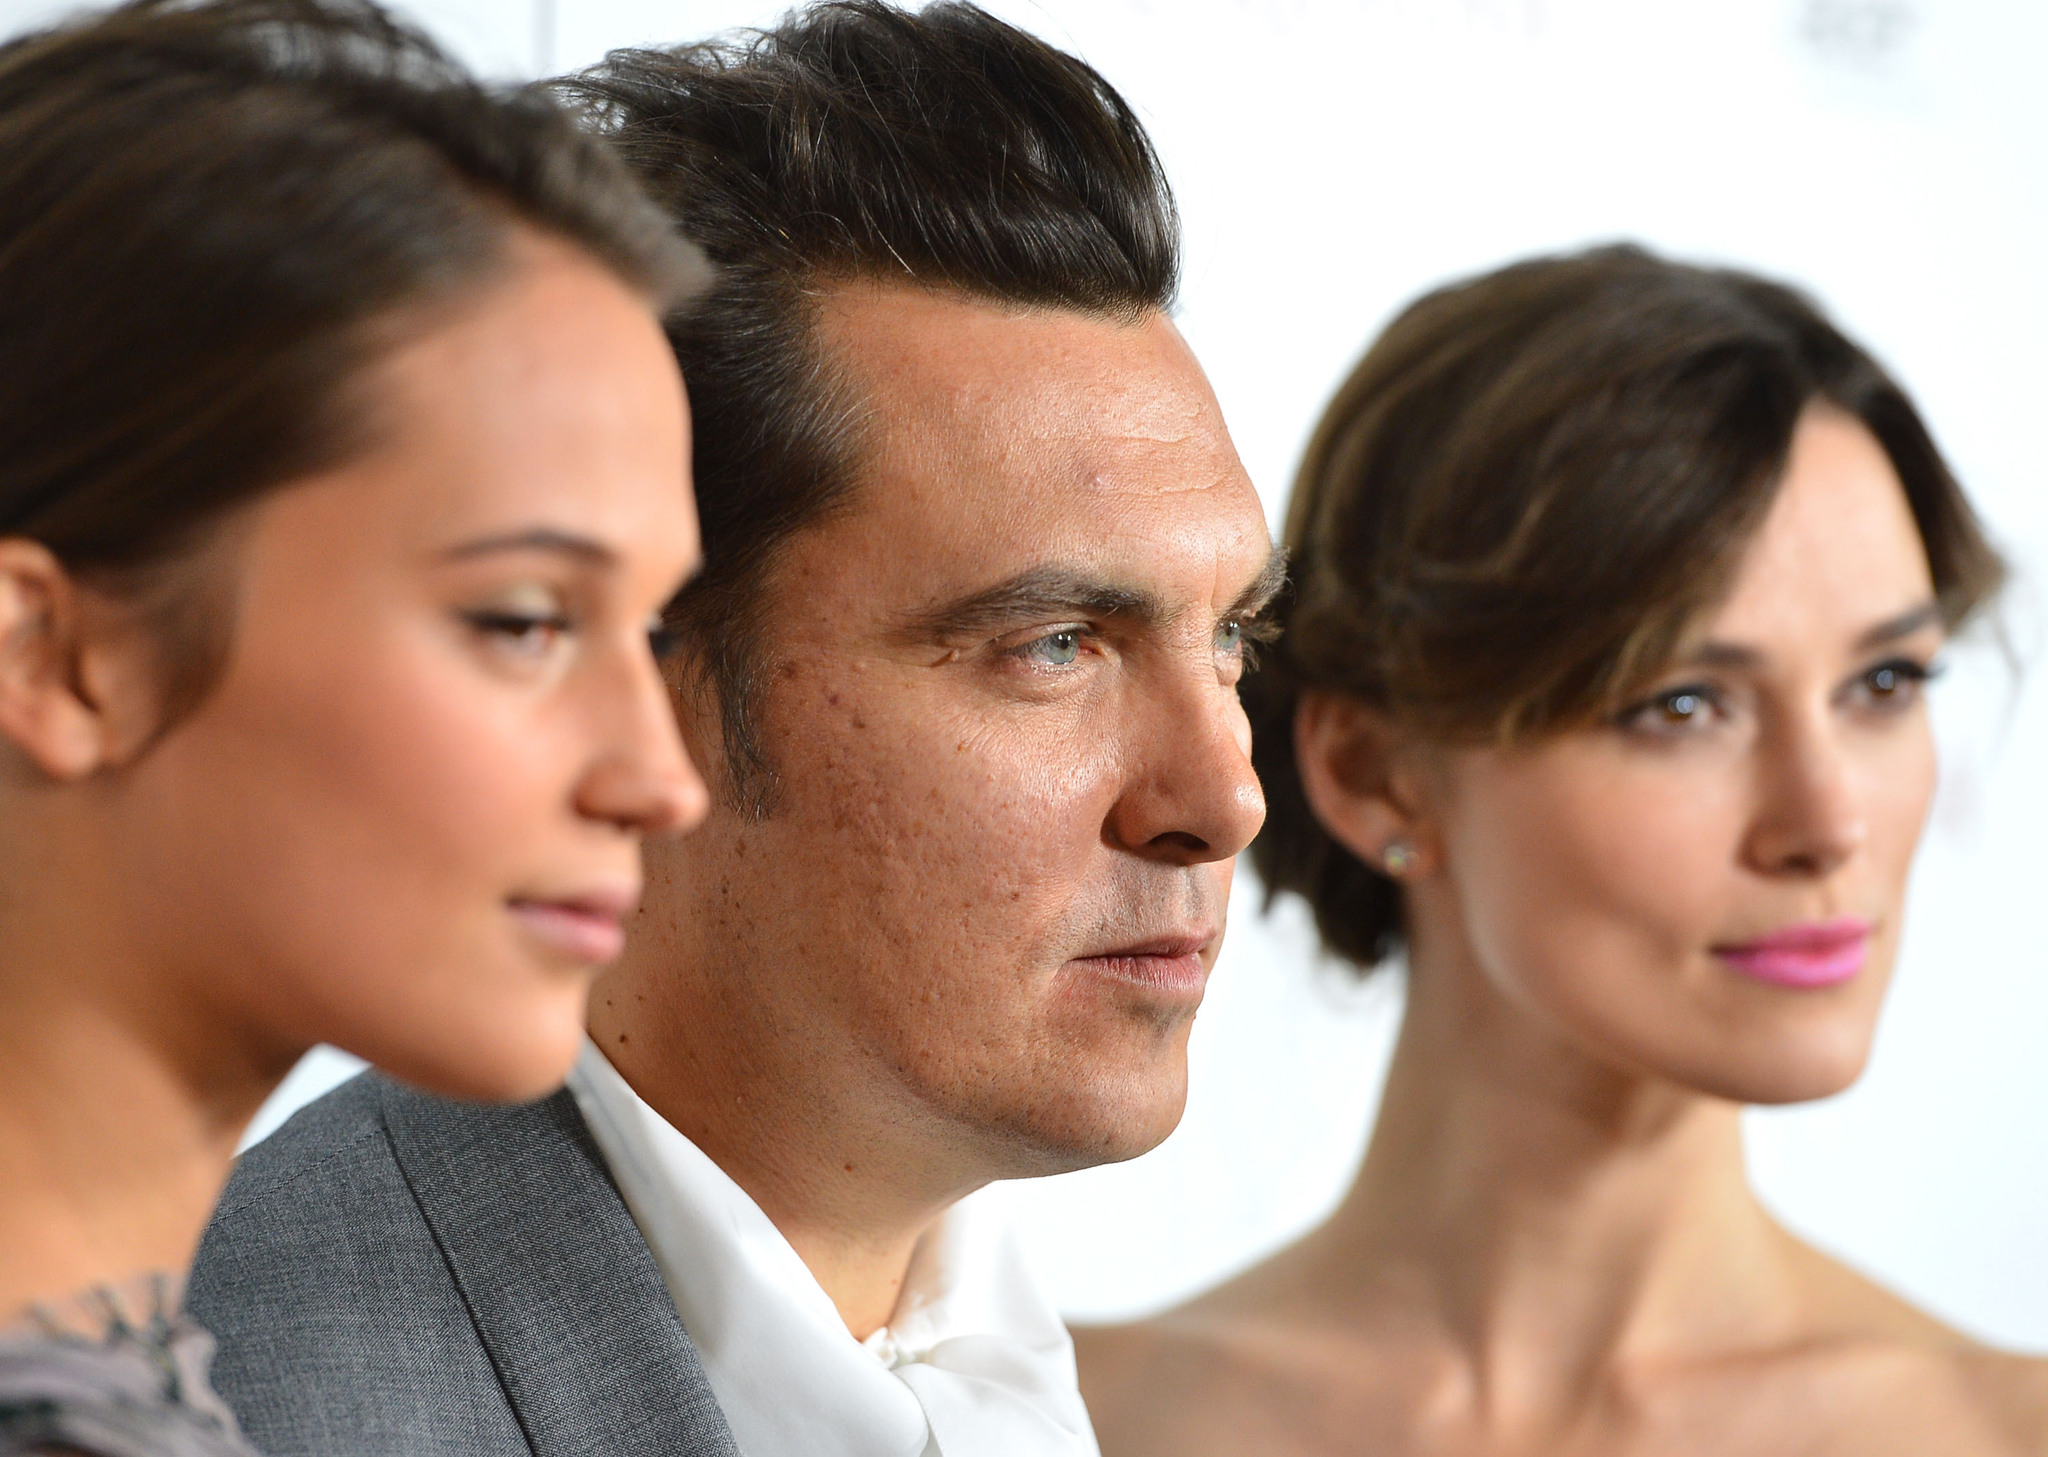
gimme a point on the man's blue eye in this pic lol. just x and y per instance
(1056, 649)
(1230, 636)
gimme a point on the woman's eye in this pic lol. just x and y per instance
(1676, 709)
(1681, 707)
(530, 634)
(1894, 684)
(1054, 650)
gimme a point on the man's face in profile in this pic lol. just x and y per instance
(1000, 706)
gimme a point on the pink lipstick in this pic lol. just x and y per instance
(585, 928)
(1812, 954)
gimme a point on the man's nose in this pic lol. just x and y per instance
(1191, 796)
(641, 779)
(1809, 818)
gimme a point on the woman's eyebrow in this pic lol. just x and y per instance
(1735, 655)
(1927, 614)
(536, 538)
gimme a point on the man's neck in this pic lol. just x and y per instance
(853, 1188)
(864, 1280)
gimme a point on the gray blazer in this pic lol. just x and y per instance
(395, 1273)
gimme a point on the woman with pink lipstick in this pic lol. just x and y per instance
(1618, 584)
(343, 466)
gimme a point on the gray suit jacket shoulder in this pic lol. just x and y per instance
(396, 1273)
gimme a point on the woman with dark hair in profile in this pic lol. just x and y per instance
(1600, 695)
(343, 466)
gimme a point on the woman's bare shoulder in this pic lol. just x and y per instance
(1241, 1369)
(1240, 1331)
(1214, 1332)
(1184, 1383)
(2012, 1390)
(1185, 1353)
(1138, 1381)
(1998, 1399)
(2004, 1391)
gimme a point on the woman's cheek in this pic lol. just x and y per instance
(1900, 786)
(478, 769)
(1595, 869)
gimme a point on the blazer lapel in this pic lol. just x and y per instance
(562, 1287)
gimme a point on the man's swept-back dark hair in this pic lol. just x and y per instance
(214, 215)
(859, 141)
(1525, 496)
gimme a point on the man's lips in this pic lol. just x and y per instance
(1811, 954)
(1169, 965)
(588, 927)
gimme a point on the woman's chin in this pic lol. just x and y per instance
(1802, 1070)
(497, 1059)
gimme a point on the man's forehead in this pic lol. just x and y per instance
(1000, 443)
(945, 361)
(960, 397)
(1166, 550)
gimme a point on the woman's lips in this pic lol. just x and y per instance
(1813, 954)
(581, 930)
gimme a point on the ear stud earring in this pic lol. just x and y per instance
(1397, 858)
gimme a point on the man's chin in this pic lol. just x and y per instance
(1086, 1123)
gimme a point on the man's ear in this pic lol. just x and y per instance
(1360, 786)
(48, 712)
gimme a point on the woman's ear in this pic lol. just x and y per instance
(1356, 779)
(48, 712)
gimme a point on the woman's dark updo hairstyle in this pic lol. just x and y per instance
(1524, 495)
(213, 216)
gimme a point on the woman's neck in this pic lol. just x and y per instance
(116, 1131)
(1551, 1218)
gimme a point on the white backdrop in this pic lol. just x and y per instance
(1335, 157)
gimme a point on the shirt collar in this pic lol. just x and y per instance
(975, 1362)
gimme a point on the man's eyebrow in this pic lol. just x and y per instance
(538, 538)
(1264, 588)
(1056, 591)
(1733, 655)
(1040, 593)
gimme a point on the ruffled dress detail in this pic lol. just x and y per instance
(107, 1383)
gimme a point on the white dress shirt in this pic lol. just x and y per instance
(974, 1363)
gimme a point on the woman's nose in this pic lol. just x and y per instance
(1810, 818)
(644, 781)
